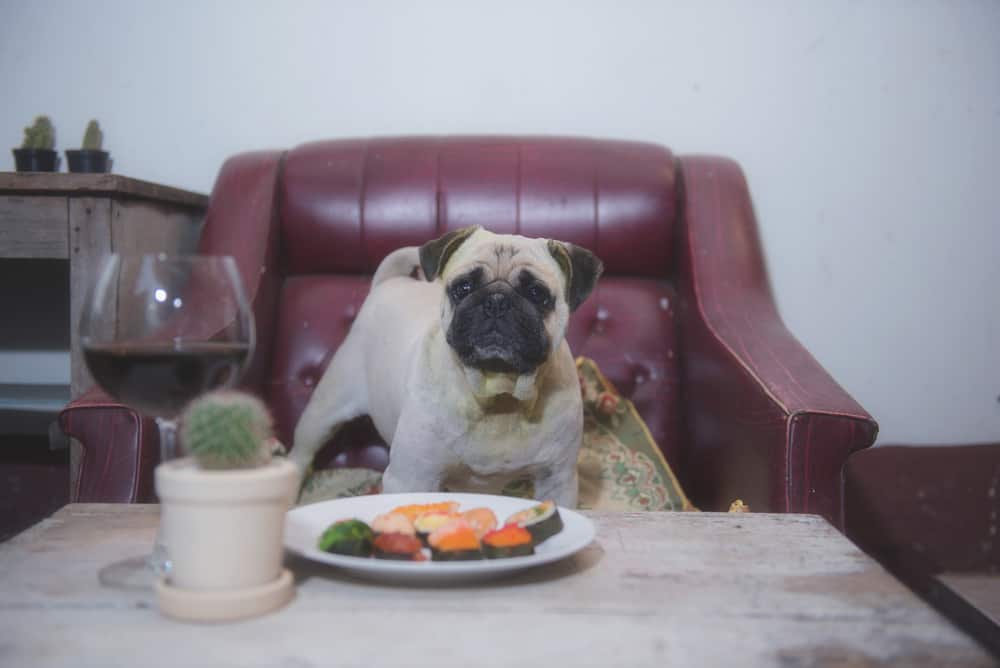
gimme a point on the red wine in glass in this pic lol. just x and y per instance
(161, 378)
(156, 331)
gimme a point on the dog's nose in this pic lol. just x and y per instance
(496, 304)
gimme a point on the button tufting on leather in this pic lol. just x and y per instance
(350, 313)
(664, 304)
(601, 317)
(642, 373)
(308, 377)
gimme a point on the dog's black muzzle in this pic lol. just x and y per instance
(496, 329)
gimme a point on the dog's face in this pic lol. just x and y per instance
(507, 298)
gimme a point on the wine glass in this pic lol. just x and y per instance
(156, 331)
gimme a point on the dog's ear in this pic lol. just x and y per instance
(434, 254)
(581, 268)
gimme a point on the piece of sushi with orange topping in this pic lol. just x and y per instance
(393, 522)
(482, 520)
(455, 541)
(510, 541)
(415, 510)
(428, 523)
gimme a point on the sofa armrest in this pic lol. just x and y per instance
(120, 449)
(766, 422)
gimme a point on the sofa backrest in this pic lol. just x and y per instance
(343, 205)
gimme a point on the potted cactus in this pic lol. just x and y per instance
(36, 153)
(90, 159)
(223, 511)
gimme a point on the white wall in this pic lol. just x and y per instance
(869, 132)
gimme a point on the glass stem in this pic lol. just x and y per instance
(168, 438)
(159, 560)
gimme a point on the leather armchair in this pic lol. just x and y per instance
(682, 322)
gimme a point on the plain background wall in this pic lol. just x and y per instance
(869, 133)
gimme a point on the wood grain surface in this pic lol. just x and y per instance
(65, 183)
(654, 589)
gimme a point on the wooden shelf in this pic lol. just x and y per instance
(57, 183)
(30, 409)
(77, 219)
(33, 398)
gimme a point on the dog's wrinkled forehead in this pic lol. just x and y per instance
(504, 257)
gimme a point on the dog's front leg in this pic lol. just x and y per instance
(417, 462)
(558, 483)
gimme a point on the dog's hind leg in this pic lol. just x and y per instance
(339, 397)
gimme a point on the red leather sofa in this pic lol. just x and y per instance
(682, 322)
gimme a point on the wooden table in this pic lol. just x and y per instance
(654, 589)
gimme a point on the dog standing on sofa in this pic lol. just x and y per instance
(467, 374)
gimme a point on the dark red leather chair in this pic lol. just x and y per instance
(683, 321)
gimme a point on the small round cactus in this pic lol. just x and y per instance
(227, 430)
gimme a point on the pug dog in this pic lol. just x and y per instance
(466, 373)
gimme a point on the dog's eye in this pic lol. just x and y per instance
(461, 289)
(539, 294)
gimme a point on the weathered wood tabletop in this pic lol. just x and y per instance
(654, 589)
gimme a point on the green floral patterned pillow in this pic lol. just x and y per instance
(620, 467)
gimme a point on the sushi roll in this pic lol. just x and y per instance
(393, 523)
(428, 523)
(455, 541)
(510, 541)
(542, 521)
(398, 546)
(350, 537)
(482, 520)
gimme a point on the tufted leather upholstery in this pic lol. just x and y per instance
(682, 321)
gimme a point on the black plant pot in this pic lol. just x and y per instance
(36, 160)
(87, 161)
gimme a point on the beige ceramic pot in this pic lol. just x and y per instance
(224, 532)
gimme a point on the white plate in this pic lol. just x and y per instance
(304, 525)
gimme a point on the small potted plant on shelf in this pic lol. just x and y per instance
(90, 159)
(223, 512)
(36, 153)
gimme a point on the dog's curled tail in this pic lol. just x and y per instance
(400, 263)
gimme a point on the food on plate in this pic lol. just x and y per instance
(455, 541)
(542, 521)
(482, 520)
(414, 510)
(428, 523)
(405, 532)
(351, 537)
(398, 546)
(393, 522)
(510, 541)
